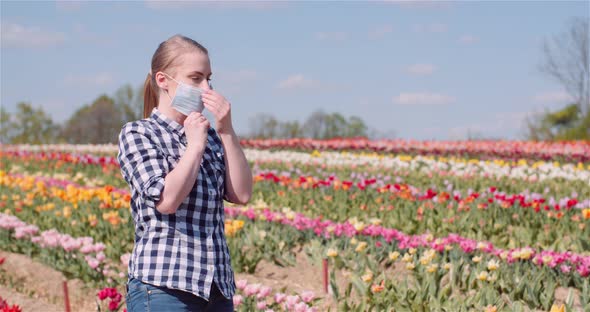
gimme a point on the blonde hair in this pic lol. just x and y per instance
(165, 57)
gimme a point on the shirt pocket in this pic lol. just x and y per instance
(218, 166)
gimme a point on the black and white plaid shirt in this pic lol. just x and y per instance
(186, 250)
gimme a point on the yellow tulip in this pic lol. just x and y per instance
(332, 253)
(556, 308)
(482, 276)
(432, 268)
(393, 255)
(361, 247)
(367, 277)
(490, 308)
(493, 265)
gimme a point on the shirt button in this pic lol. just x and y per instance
(210, 248)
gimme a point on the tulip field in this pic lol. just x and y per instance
(399, 225)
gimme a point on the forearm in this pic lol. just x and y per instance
(179, 182)
(238, 175)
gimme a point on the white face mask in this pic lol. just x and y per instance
(187, 98)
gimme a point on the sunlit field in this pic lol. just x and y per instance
(395, 225)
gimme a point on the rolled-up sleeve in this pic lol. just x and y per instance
(143, 165)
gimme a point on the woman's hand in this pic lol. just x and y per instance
(238, 176)
(196, 128)
(221, 109)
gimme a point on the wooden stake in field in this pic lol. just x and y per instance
(66, 296)
(325, 267)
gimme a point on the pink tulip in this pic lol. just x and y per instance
(280, 298)
(241, 284)
(261, 305)
(307, 296)
(252, 289)
(301, 307)
(565, 268)
(291, 301)
(238, 300)
(264, 292)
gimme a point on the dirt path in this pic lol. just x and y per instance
(27, 303)
(35, 286)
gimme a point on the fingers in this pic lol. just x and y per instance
(196, 118)
(212, 98)
(212, 108)
(203, 121)
(194, 115)
(209, 92)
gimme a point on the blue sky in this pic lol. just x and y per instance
(424, 70)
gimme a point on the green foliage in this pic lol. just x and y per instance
(319, 125)
(28, 125)
(565, 124)
(97, 123)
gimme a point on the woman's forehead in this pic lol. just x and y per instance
(195, 62)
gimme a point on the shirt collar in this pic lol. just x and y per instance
(166, 122)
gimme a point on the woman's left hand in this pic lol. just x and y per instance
(221, 109)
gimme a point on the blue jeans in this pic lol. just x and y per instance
(143, 297)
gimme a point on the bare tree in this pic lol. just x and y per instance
(130, 102)
(263, 126)
(315, 125)
(567, 59)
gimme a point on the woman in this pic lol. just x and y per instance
(180, 170)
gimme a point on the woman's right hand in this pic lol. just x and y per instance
(196, 128)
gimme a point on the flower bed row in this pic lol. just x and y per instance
(576, 151)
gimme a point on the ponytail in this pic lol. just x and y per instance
(150, 96)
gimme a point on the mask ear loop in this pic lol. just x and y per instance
(168, 95)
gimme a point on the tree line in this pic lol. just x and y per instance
(96, 123)
(101, 121)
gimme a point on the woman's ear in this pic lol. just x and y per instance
(161, 81)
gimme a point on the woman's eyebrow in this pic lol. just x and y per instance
(199, 73)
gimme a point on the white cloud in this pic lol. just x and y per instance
(234, 82)
(421, 4)
(423, 99)
(237, 77)
(468, 39)
(235, 4)
(296, 82)
(19, 36)
(59, 109)
(68, 5)
(100, 79)
(380, 31)
(421, 69)
(431, 28)
(91, 37)
(331, 36)
(553, 97)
